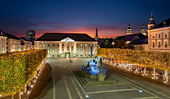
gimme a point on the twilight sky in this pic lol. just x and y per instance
(80, 16)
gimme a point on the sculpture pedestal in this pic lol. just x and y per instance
(101, 77)
(93, 77)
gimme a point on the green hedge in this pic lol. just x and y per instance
(17, 69)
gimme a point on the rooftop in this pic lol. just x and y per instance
(141, 41)
(10, 36)
(60, 36)
(163, 24)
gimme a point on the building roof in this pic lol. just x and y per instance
(23, 38)
(163, 24)
(141, 41)
(2, 34)
(61, 36)
(130, 37)
(11, 36)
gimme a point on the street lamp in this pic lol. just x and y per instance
(142, 58)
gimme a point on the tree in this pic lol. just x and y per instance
(120, 42)
(107, 43)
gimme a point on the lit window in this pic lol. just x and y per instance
(30, 32)
(53, 51)
(159, 44)
(159, 35)
(165, 35)
(166, 44)
(153, 44)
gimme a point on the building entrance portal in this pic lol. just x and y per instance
(67, 55)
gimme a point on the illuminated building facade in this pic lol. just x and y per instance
(2, 43)
(67, 45)
(25, 44)
(13, 43)
(159, 35)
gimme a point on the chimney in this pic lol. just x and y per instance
(164, 23)
(1, 32)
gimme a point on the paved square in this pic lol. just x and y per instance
(65, 85)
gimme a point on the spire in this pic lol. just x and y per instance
(143, 30)
(129, 32)
(152, 22)
(151, 14)
(96, 36)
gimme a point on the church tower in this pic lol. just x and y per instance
(96, 36)
(151, 23)
(143, 30)
(129, 32)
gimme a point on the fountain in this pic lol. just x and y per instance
(94, 70)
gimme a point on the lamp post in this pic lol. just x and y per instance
(144, 66)
(166, 72)
(154, 72)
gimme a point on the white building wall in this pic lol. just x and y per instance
(2, 44)
(13, 45)
(73, 48)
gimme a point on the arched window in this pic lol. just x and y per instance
(166, 35)
(153, 44)
(159, 44)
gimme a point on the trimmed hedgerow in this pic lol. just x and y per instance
(17, 69)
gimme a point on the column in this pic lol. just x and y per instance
(88, 49)
(74, 48)
(69, 47)
(94, 49)
(65, 47)
(83, 47)
(60, 47)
